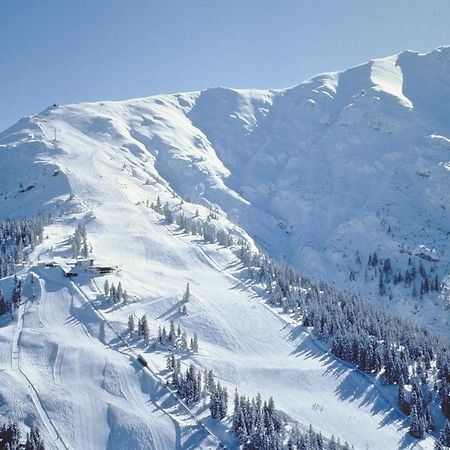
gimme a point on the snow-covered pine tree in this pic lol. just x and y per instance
(403, 401)
(183, 341)
(119, 293)
(218, 404)
(106, 288)
(158, 204)
(16, 296)
(34, 440)
(169, 363)
(194, 343)
(444, 437)
(85, 247)
(3, 304)
(172, 334)
(176, 375)
(112, 293)
(187, 293)
(417, 426)
(168, 214)
(131, 325)
(143, 329)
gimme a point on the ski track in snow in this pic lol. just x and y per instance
(16, 365)
(55, 314)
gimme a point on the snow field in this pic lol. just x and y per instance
(313, 173)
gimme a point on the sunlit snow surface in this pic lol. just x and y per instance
(312, 173)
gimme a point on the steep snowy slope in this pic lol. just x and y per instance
(345, 162)
(88, 388)
(323, 174)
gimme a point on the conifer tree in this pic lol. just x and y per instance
(168, 214)
(417, 426)
(187, 294)
(112, 293)
(143, 329)
(183, 343)
(172, 334)
(119, 293)
(34, 440)
(169, 363)
(3, 304)
(131, 324)
(158, 204)
(194, 343)
(444, 437)
(106, 288)
(403, 401)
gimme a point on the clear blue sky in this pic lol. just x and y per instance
(65, 51)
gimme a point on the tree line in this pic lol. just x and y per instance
(416, 276)
(17, 239)
(256, 424)
(80, 246)
(11, 438)
(11, 304)
(115, 294)
(360, 333)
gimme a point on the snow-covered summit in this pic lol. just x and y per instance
(346, 162)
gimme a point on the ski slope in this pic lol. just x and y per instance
(304, 172)
(85, 382)
(97, 397)
(86, 394)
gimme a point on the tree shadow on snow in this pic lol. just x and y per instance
(355, 387)
(307, 347)
(233, 264)
(408, 442)
(243, 285)
(163, 400)
(172, 311)
(195, 440)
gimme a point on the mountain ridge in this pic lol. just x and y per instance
(331, 150)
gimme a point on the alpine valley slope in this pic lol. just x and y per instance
(313, 173)
(322, 174)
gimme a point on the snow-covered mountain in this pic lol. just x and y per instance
(344, 164)
(321, 175)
